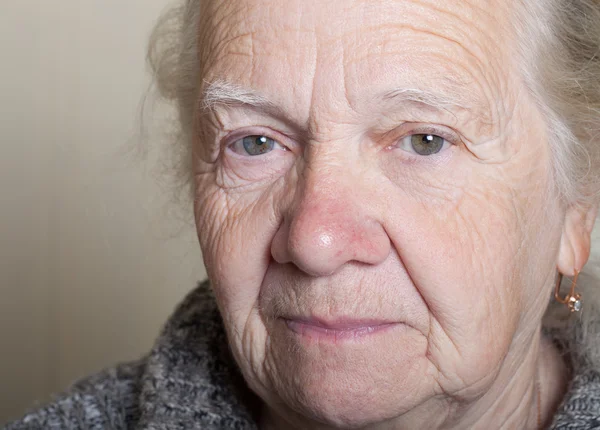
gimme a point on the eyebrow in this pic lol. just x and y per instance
(223, 93)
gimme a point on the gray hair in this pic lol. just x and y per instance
(559, 43)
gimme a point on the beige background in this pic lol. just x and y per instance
(91, 262)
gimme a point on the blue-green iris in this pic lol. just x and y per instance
(257, 145)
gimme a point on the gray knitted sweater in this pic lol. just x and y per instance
(189, 381)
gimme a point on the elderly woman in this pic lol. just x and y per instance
(387, 195)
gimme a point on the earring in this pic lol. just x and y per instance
(573, 299)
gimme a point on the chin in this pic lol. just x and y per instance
(352, 382)
(339, 403)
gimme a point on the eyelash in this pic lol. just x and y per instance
(233, 138)
(450, 137)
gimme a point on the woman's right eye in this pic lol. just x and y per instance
(254, 145)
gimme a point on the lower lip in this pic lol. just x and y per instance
(318, 332)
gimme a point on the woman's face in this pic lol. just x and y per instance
(372, 201)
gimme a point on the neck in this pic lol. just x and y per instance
(514, 400)
(510, 402)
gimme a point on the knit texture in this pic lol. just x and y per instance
(190, 381)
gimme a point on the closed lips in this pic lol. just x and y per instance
(336, 329)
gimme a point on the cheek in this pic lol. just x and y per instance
(460, 246)
(235, 229)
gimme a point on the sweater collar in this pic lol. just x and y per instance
(190, 375)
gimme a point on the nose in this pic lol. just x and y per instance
(330, 225)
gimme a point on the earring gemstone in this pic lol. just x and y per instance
(575, 303)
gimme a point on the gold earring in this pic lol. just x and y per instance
(573, 299)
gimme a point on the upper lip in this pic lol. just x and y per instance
(341, 323)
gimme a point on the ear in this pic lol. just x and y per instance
(575, 242)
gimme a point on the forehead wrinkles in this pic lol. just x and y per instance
(469, 51)
(359, 33)
(254, 44)
(231, 27)
(217, 29)
(448, 69)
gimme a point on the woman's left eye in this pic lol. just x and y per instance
(254, 145)
(423, 144)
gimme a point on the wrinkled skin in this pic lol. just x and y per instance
(342, 219)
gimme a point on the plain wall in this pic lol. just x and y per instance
(91, 260)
